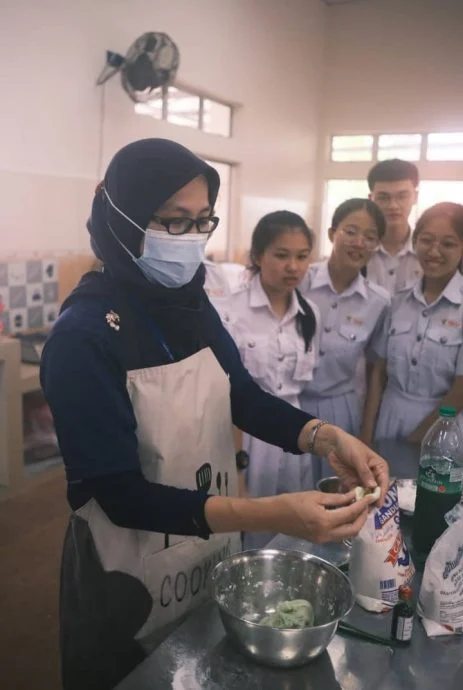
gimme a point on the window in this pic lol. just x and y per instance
(443, 146)
(446, 146)
(189, 109)
(152, 108)
(216, 118)
(355, 148)
(406, 146)
(433, 191)
(217, 246)
(182, 108)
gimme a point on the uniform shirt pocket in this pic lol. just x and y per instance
(400, 344)
(255, 355)
(399, 341)
(442, 348)
(353, 337)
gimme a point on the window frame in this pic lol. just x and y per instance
(163, 97)
(424, 146)
(226, 219)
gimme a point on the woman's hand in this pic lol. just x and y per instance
(310, 515)
(322, 518)
(358, 465)
(354, 463)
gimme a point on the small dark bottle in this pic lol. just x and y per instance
(402, 617)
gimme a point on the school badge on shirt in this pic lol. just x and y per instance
(354, 320)
(452, 323)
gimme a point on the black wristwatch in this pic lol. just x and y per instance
(242, 460)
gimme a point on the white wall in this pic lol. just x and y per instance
(394, 65)
(264, 54)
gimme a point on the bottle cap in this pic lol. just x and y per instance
(405, 592)
(447, 412)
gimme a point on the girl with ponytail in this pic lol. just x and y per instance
(275, 329)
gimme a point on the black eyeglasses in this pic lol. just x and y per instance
(180, 226)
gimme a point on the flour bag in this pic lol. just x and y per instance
(380, 560)
(440, 603)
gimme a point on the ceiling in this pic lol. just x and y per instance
(340, 2)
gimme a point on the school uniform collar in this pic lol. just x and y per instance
(259, 299)
(406, 249)
(322, 278)
(453, 291)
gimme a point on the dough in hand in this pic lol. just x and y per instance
(290, 614)
(360, 493)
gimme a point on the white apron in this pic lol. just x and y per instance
(185, 440)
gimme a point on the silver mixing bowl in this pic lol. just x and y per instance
(330, 485)
(249, 585)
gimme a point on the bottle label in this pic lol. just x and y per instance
(404, 629)
(431, 480)
(456, 475)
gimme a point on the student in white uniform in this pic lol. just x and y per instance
(393, 186)
(275, 331)
(222, 279)
(216, 284)
(352, 311)
(421, 358)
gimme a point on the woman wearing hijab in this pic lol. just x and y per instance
(145, 384)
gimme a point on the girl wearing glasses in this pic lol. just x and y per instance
(275, 331)
(145, 384)
(352, 311)
(420, 365)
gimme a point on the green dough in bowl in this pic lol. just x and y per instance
(290, 614)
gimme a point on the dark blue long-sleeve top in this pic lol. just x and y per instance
(83, 375)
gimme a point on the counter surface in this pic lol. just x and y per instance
(198, 655)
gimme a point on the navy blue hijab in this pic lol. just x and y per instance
(141, 177)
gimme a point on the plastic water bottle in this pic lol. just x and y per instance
(439, 485)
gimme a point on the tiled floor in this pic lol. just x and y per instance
(32, 527)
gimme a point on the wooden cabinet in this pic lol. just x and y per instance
(16, 380)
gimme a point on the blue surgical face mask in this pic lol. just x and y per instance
(171, 260)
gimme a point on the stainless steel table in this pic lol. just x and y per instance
(198, 655)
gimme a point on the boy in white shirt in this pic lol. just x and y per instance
(394, 188)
